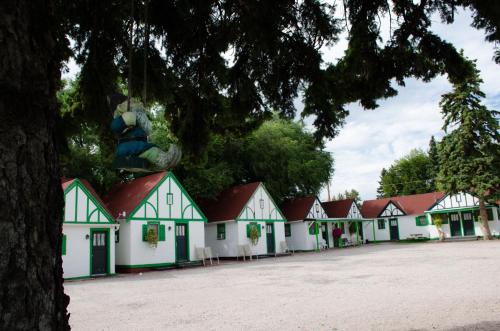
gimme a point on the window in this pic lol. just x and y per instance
(170, 199)
(63, 245)
(381, 224)
(288, 230)
(489, 211)
(156, 227)
(442, 217)
(422, 220)
(221, 231)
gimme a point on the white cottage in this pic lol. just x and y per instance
(346, 215)
(88, 247)
(236, 213)
(459, 216)
(306, 226)
(160, 225)
(399, 218)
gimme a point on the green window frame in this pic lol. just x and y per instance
(221, 231)
(489, 211)
(444, 218)
(288, 230)
(249, 226)
(63, 245)
(381, 224)
(421, 220)
(159, 228)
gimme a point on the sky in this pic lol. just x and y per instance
(373, 139)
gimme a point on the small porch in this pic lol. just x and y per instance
(350, 232)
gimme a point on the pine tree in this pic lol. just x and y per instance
(469, 154)
(434, 158)
(380, 189)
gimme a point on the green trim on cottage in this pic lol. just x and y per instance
(102, 215)
(170, 200)
(275, 208)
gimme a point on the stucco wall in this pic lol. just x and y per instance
(300, 239)
(196, 238)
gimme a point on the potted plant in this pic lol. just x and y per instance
(254, 234)
(438, 222)
(152, 238)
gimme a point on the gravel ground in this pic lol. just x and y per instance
(425, 286)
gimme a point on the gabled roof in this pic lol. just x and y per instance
(229, 203)
(338, 209)
(297, 209)
(66, 182)
(415, 204)
(126, 196)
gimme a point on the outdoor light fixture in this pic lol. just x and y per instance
(87, 236)
(169, 228)
(261, 201)
(170, 199)
(317, 208)
(263, 227)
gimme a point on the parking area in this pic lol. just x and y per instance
(399, 286)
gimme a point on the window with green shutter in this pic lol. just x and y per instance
(421, 220)
(155, 226)
(489, 211)
(63, 245)
(221, 231)
(381, 223)
(288, 230)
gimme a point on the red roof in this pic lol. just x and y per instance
(415, 204)
(297, 209)
(126, 196)
(65, 182)
(338, 209)
(229, 203)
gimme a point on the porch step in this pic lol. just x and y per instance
(465, 238)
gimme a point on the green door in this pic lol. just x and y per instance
(468, 223)
(270, 238)
(324, 233)
(455, 227)
(393, 228)
(181, 242)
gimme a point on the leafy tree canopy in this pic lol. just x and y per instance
(412, 174)
(352, 194)
(222, 66)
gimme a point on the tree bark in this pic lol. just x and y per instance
(31, 285)
(483, 214)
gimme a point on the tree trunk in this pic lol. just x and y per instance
(483, 214)
(442, 237)
(31, 285)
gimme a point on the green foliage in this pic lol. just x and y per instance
(83, 153)
(254, 233)
(274, 50)
(412, 174)
(470, 152)
(352, 194)
(152, 237)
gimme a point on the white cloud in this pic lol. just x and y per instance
(373, 139)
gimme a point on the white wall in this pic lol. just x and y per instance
(300, 239)
(196, 238)
(76, 262)
(261, 247)
(226, 247)
(141, 253)
(252, 210)
(279, 235)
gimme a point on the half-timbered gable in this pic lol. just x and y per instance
(316, 211)
(391, 210)
(454, 201)
(260, 207)
(82, 204)
(168, 201)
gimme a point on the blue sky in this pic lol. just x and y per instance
(373, 139)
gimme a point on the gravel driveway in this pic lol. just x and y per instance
(425, 286)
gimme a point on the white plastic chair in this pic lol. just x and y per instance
(284, 248)
(209, 255)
